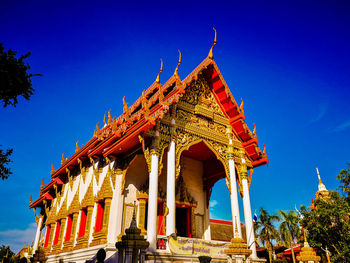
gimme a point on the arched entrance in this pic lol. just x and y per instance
(200, 170)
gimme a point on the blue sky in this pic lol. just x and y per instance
(288, 60)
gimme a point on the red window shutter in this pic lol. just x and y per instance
(57, 233)
(69, 228)
(99, 216)
(82, 223)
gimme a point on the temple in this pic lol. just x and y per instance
(161, 156)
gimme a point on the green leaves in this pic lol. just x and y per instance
(4, 161)
(328, 225)
(14, 77)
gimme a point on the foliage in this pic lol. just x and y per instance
(344, 178)
(266, 231)
(289, 228)
(4, 161)
(328, 225)
(6, 254)
(14, 79)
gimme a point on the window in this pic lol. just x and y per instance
(99, 216)
(69, 227)
(82, 222)
(57, 233)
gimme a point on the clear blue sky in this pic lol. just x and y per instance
(288, 60)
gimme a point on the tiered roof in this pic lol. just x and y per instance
(120, 135)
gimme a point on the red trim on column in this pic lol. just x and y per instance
(82, 222)
(69, 227)
(99, 216)
(57, 232)
(48, 230)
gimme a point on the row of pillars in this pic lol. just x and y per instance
(170, 219)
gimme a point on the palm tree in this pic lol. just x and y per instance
(266, 230)
(289, 228)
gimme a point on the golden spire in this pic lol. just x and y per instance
(160, 71)
(109, 117)
(104, 119)
(63, 160)
(52, 169)
(305, 239)
(210, 55)
(77, 146)
(236, 230)
(176, 72)
(321, 186)
(254, 131)
(241, 107)
(42, 184)
(125, 106)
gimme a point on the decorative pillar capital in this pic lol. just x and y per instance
(155, 143)
(230, 152)
(172, 130)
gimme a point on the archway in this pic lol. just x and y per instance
(200, 170)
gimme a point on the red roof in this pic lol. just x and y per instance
(121, 134)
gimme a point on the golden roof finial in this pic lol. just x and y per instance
(109, 117)
(104, 119)
(254, 131)
(30, 199)
(52, 169)
(125, 105)
(97, 128)
(42, 184)
(264, 151)
(241, 107)
(210, 55)
(63, 160)
(176, 72)
(160, 71)
(77, 146)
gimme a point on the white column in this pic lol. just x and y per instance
(207, 229)
(116, 210)
(153, 202)
(236, 221)
(37, 234)
(248, 217)
(170, 194)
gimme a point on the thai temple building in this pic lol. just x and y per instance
(161, 157)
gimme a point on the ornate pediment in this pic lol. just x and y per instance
(201, 97)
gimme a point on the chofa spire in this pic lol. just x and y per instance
(176, 72)
(210, 55)
(160, 71)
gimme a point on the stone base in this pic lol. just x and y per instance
(81, 255)
(164, 257)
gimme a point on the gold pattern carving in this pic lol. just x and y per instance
(142, 198)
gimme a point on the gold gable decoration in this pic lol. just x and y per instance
(63, 210)
(51, 214)
(88, 200)
(200, 96)
(106, 190)
(75, 204)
